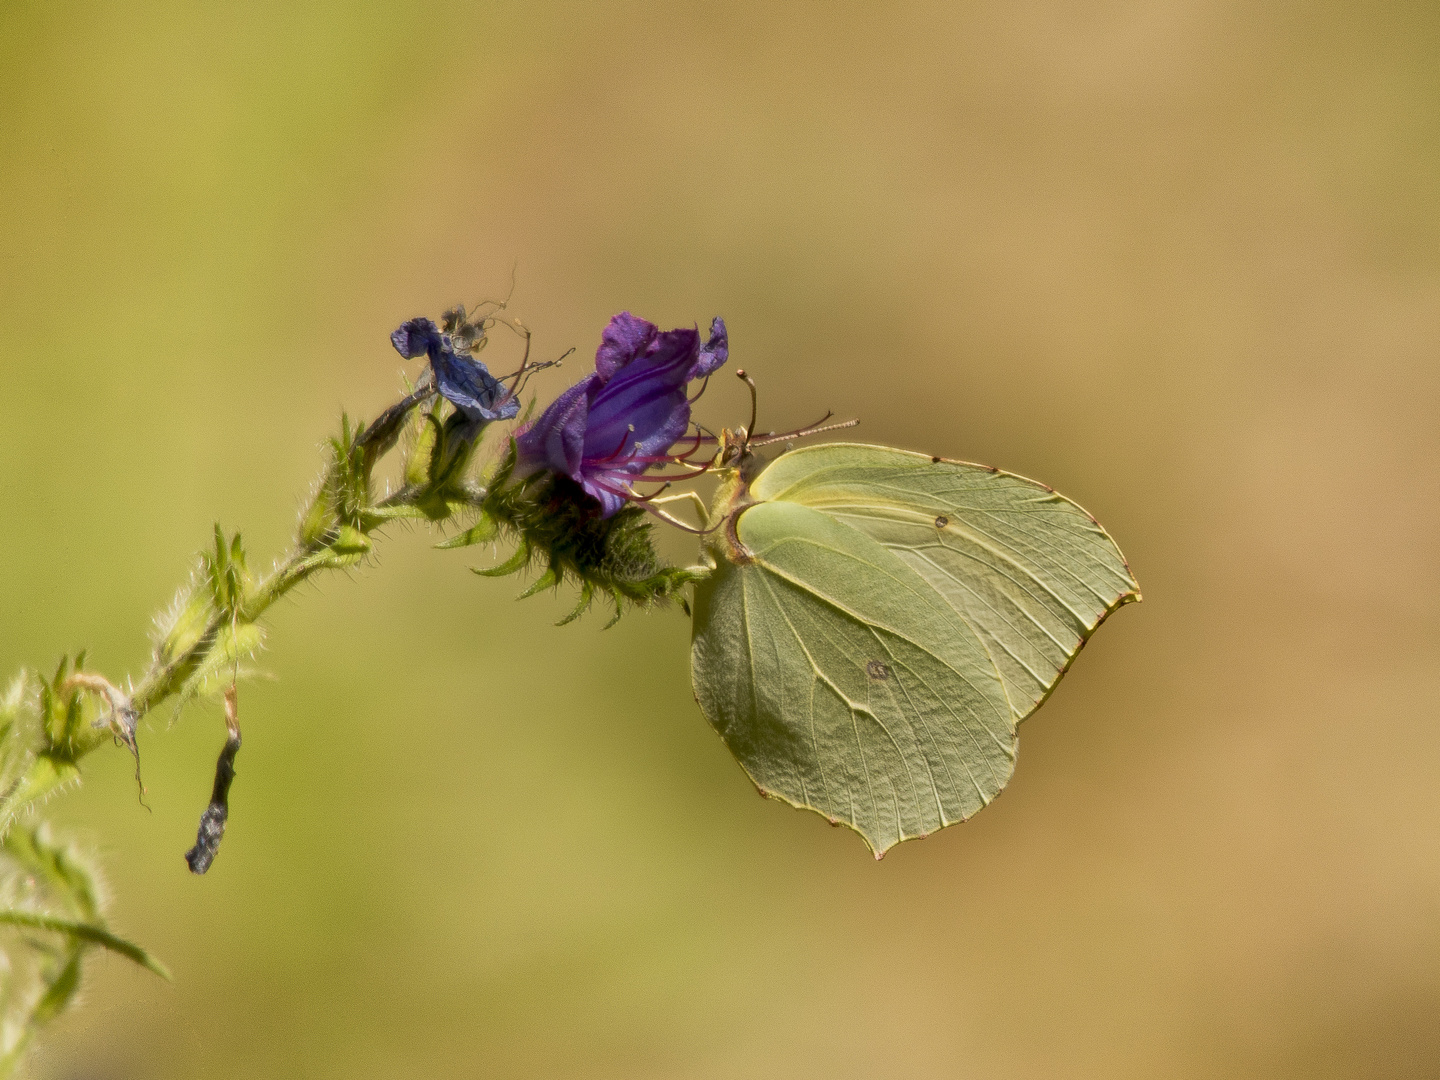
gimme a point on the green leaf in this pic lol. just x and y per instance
(67, 880)
(86, 932)
(58, 988)
(58, 994)
(879, 622)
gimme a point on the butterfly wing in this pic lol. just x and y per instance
(1029, 571)
(844, 684)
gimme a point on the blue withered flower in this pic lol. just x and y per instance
(464, 381)
(624, 418)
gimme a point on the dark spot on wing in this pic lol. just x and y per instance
(876, 670)
(941, 521)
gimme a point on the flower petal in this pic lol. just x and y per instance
(470, 387)
(414, 338)
(556, 440)
(613, 425)
(610, 499)
(647, 399)
(625, 339)
(715, 351)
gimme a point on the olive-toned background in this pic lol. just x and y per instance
(1180, 259)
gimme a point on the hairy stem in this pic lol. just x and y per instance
(335, 534)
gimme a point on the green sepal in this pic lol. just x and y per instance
(516, 562)
(619, 600)
(483, 531)
(380, 515)
(17, 739)
(226, 572)
(435, 466)
(587, 595)
(548, 580)
(349, 476)
(345, 549)
(62, 711)
(451, 454)
(12, 702)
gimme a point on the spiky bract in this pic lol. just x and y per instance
(557, 524)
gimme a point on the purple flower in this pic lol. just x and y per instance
(612, 425)
(465, 382)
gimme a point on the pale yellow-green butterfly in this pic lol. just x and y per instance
(879, 621)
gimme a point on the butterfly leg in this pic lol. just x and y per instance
(701, 510)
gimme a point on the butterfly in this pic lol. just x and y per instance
(877, 623)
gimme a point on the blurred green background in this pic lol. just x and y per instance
(1180, 259)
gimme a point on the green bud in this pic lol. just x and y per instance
(350, 541)
(186, 626)
(318, 519)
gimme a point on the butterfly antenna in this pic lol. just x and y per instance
(813, 429)
(754, 401)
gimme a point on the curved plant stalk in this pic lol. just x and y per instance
(50, 914)
(50, 901)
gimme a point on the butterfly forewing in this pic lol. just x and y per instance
(1030, 571)
(844, 683)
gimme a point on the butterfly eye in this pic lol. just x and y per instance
(731, 448)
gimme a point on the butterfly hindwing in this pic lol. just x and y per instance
(844, 683)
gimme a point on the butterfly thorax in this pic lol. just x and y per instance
(738, 466)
